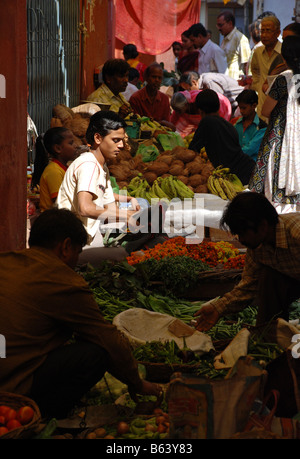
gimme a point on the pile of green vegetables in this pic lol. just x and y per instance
(173, 274)
(119, 286)
(168, 276)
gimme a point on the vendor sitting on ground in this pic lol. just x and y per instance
(86, 188)
(271, 276)
(44, 304)
(249, 126)
(186, 117)
(115, 78)
(150, 101)
(220, 138)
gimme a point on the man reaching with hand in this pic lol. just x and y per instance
(271, 275)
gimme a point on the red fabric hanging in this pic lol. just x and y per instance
(153, 25)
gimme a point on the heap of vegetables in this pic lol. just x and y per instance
(151, 427)
(210, 254)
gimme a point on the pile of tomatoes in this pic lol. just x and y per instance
(12, 419)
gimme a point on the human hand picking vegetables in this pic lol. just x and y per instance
(147, 388)
(207, 317)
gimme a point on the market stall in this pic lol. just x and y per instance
(229, 373)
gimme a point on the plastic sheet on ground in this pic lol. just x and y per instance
(191, 216)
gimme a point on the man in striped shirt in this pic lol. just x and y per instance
(271, 276)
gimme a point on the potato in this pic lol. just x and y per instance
(196, 180)
(166, 159)
(183, 179)
(201, 189)
(177, 162)
(185, 155)
(150, 177)
(158, 167)
(194, 167)
(176, 170)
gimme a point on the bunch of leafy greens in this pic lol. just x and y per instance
(168, 276)
(176, 274)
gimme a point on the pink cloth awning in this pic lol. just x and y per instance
(153, 25)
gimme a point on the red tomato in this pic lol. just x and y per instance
(4, 409)
(25, 414)
(122, 428)
(10, 414)
(161, 428)
(13, 424)
(2, 420)
(160, 420)
(3, 430)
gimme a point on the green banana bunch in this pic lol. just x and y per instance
(163, 182)
(237, 184)
(152, 125)
(157, 190)
(183, 191)
(227, 187)
(175, 188)
(210, 185)
(221, 187)
(146, 127)
(220, 171)
(134, 184)
(171, 186)
(162, 189)
(136, 187)
(224, 184)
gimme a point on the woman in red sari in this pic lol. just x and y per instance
(188, 59)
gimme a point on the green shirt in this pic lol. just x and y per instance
(103, 95)
(250, 138)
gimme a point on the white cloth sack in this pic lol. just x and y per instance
(141, 326)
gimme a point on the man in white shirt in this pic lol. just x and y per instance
(222, 84)
(86, 188)
(235, 45)
(133, 79)
(211, 57)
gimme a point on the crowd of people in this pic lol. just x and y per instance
(243, 106)
(244, 72)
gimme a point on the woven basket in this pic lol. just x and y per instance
(161, 372)
(215, 282)
(16, 401)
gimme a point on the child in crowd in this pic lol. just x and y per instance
(249, 126)
(177, 50)
(60, 149)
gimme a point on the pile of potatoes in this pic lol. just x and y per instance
(192, 168)
(76, 119)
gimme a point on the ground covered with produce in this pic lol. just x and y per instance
(157, 280)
